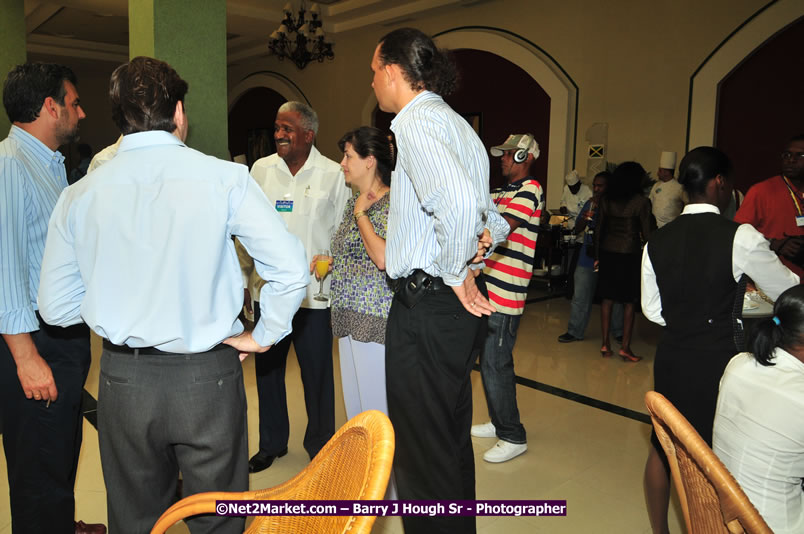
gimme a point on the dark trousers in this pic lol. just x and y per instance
(312, 339)
(429, 353)
(42, 443)
(162, 414)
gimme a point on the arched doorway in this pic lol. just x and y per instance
(545, 71)
(740, 44)
(251, 123)
(253, 103)
(495, 110)
(759, 106)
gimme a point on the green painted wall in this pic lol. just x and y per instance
(191, 37)
(12, 46)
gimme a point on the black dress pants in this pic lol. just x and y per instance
(430, 350)
(312, 339)
(42, 443)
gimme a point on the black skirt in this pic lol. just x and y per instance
(619, 277)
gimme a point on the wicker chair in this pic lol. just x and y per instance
(712, 501)
(354, 465)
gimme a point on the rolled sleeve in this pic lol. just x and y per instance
(279, 259)
(752, 255)
(17, 313)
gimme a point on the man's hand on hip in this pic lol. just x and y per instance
(245, 343)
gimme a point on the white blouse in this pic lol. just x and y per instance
(759, 435)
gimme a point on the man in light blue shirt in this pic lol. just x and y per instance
(42, 369)
(142, 249)
(440, 204)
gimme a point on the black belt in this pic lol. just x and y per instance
(418, 280)
(152, 351)
(411, 289)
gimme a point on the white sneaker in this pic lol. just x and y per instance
(504, 451)
(486, 430)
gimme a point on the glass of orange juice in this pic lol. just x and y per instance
(321, 270)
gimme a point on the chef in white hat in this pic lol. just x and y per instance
(666, 194)
(575, 195)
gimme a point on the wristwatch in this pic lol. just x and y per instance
(359, 214)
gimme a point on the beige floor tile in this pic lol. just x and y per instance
(590, 457)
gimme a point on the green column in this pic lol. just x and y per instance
(191, 37)
(12, 47)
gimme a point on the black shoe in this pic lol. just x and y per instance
(261, 461)
(567, 338)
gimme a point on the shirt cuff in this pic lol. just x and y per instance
(261, 335)
(455, 280)
(19, 321)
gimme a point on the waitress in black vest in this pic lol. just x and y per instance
(693, 281)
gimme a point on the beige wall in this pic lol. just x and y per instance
(631, 60)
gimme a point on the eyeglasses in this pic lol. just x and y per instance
(787, 155)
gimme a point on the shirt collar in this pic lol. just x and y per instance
(424, 95)
(700, 207)
(36, 147)
(138, 140)
(311, 161)
(513, 186)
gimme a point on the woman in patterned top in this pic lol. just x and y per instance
(361, 296)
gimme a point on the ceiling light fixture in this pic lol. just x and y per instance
(299, 39)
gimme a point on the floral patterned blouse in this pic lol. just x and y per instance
(361, 296)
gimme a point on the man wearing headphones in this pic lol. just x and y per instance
(508, 273)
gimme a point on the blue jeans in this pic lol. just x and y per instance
(499, 382)
(581, 306)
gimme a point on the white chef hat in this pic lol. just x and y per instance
(572, 178)
(667, 160)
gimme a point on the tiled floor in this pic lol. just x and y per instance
(591, 457)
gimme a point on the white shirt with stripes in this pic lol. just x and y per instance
(440, 198)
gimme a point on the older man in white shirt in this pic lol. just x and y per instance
(309, 192)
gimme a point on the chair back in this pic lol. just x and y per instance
(711, 499)
(355, 464)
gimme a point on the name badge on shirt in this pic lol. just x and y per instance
(284, 205)
(800, 220)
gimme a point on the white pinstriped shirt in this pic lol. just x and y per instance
(31, 179)
(440, 198)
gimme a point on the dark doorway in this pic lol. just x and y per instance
(498, 98)
(760, 108)
(251, 123)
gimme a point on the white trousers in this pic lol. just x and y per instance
(363, 380)
(362, 376)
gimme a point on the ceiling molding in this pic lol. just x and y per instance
(386, 15)
(65, 47)
(40, 14)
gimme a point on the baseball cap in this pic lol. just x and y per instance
(517, 141)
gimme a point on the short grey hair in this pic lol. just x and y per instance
(309, 118)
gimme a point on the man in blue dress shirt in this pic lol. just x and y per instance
(142, 249)
(42, 369)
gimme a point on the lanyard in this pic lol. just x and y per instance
(793, 195)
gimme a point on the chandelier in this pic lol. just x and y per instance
(299, 39)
